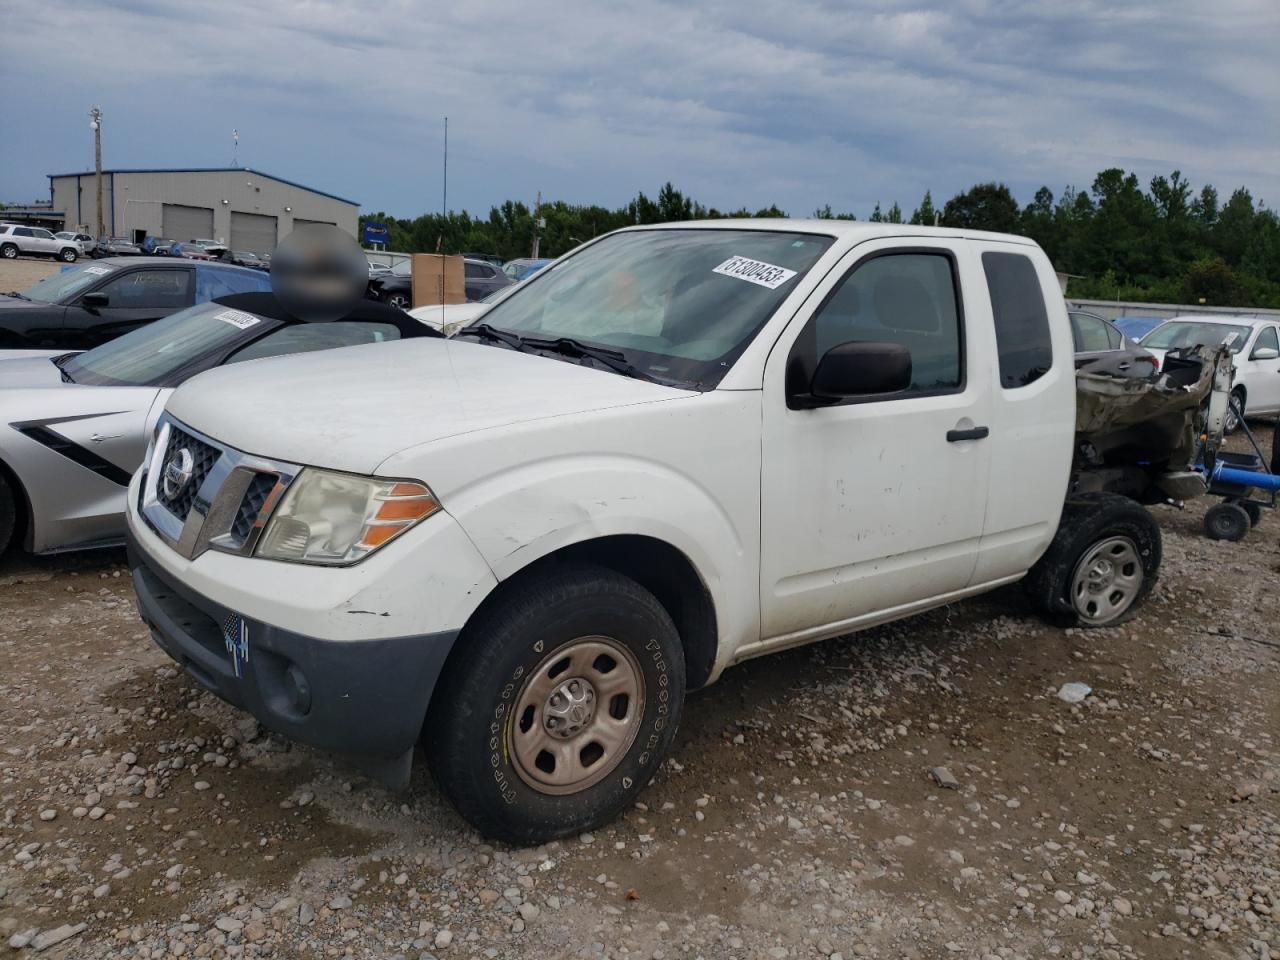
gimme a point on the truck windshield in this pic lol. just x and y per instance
(151, 355)
(62, 285)
(1176, 333)
(679, 305)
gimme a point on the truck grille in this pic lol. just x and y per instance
(203, 458)
(216, 493)
(255, 497)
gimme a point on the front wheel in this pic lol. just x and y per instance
(1227, 521)
(8, 514)
(398, 299)
(1235, 413)
(68, 255)
(562, 710)
(1102, 563)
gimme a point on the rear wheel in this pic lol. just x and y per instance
(398, 299)
(1102, 563)
(9, 251)
(1226, 521)
(8, 513)
(562, 710)
(1254, 511)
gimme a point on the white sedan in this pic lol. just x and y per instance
(1255, 349)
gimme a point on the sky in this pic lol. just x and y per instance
(745, 103)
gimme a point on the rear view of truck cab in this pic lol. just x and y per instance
(680, 447)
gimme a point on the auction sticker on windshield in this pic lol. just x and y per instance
(755, 271)
(98, 271)
(237, 319)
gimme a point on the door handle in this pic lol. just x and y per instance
(973, 433)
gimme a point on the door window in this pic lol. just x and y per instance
(904, 298)
(41, 234)
(1267, 338)
(1091, 334)
(1023, 341)
(142, 289)
(305, 337)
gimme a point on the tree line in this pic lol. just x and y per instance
(1168, 243)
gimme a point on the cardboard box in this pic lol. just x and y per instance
(437, 279)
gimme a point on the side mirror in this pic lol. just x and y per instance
(94, 300)
(860, 368)
(1265, 353)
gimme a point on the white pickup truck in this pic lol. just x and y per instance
(675, 449)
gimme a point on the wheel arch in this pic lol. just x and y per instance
(23, 521)
(659, 567)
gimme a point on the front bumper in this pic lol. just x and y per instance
(365, 698)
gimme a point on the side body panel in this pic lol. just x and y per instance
(684, 471)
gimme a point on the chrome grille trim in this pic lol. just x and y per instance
(228, 509)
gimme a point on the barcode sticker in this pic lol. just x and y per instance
(237, 319)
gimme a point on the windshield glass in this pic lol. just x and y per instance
(1187, 333)
(152, 354)
(680, 305)
(57, 288)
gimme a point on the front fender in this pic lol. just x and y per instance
(521, 515)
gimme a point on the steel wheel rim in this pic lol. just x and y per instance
(1233, 416)
(576, 715)
(1107, 580)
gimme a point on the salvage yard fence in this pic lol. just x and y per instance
(1110, 309)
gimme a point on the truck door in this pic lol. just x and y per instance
(1033, 408)
(1259, 370)
(874, 504)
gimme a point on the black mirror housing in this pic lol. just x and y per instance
(94, 300)
(861, 368)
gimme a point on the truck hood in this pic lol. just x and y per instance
(351, 409)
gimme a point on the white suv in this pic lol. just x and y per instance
(1255, 349)
(16, 239)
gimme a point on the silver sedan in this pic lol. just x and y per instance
(74, 427)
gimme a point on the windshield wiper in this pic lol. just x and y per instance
(486, 332)
(615, 360)
(15, 293)
(58, 362)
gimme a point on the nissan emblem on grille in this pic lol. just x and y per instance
(177, 472)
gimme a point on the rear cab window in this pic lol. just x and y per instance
(1023, 338)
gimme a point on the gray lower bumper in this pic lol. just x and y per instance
(364, 698)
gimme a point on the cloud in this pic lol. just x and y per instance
(795, 102)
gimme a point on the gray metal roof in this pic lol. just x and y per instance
(260, 173)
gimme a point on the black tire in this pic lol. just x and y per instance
(1090, 522)
(8, 513)
(1226, 521)
(1235, 416)
(1254, 511)
(9, 251)
(68, 255)
(472, 724)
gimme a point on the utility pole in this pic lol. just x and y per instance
(95, 124)
(537, 222)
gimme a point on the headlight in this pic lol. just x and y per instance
(339, 518)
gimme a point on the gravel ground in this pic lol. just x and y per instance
(141, 817)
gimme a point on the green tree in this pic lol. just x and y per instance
(987, 206)
(924, 214)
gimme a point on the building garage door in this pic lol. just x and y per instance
(253, 232)
(298, 222)
(179, 222)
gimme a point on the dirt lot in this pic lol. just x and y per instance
(797, 818)
(23, 272)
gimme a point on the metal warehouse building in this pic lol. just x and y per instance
(243, 208)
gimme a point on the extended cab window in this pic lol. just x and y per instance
(1022, 322)
(904, 298)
